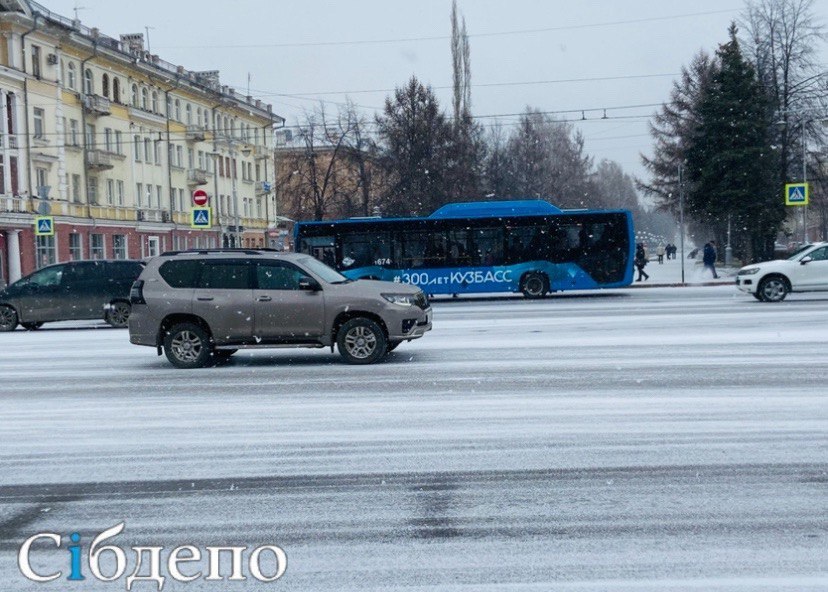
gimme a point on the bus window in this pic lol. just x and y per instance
(518, 241)
(457, 248)
(423, 249)
(320, 247)
(365, 250)
(488, 243)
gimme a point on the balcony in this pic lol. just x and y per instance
(195, 133)
(197, 177)
(98, 160)
(152, 216)
(263, 187)
(96, 105)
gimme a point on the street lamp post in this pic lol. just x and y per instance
(681, 215)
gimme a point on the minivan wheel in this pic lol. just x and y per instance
(361, 341)
(8, 318)
(31, 326)
(773, 289)
(534, 285)
(188, 346)
(118, 314)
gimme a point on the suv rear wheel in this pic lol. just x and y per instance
(188, 346)
(8, 318)
(361, 341)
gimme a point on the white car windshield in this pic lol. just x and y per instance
(799, 251)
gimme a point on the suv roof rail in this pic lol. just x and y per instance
(225, 250)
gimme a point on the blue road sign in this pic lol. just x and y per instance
(796, 194)
(202, 218)
(44, 226)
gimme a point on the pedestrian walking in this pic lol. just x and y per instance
(660, 250)
(709, 258)
(640, 262)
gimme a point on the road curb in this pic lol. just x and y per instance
(681, 285)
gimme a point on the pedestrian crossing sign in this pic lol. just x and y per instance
(796, 194)
(44, 226)
(202, 218)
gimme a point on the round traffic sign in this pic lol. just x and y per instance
(200, 197)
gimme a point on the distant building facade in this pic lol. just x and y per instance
(111, 141)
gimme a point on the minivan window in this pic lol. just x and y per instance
(124, 270)
(226, 275)
(181, 274)
(47, 277)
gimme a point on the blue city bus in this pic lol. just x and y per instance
(527, 246)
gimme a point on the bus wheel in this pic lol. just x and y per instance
(534, 285)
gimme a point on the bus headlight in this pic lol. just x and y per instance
(401, 299)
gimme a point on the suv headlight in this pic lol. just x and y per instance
(401, 299)
(749, 271)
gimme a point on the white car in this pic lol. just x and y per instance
(804, 271)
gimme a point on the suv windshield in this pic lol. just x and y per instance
(323, 271)
(799, 251)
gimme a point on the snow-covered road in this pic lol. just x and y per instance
(649, 439)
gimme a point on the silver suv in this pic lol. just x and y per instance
(203, 306)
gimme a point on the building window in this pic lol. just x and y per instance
(148, 150)
(119, 147)
(157, 148)
(36, 61)
(259, 207)
(105, 85)
(188, 111)
(38, 122)
(177, 110)
(134, 95)
(76, 188)
(88, 82)
(198, 116)
(90, 135)
(74, 132)
(153, 246)
(71, 78)
(145, 99)
(120, 201)
(139, 195)
(92, 190)
(158, 191)
(169, 107)
(154, 102)
(190, 158)
(41, 177)
(108, 139)
(119, 246)
(96, 246)
(75, 248)
(137, 148)
(110, 192)
(116, 90)
(46, 251)
(179, 156)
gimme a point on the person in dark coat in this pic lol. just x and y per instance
(709, 258)
(640, 261)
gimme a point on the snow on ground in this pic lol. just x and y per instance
(638, 439)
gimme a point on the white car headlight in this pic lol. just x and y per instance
(749, 271)
(401, 299)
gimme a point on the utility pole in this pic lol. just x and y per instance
(681, 215)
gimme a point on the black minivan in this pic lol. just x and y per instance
(69, 292)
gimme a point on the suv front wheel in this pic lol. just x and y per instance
(188, 346)
(361, 341)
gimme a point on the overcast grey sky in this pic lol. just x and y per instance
(555, 55)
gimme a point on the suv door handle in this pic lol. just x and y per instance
(264, 299)
(205, 298)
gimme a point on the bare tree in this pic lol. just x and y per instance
(314, 178)
(783, 37)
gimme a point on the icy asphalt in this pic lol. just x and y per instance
(637, 440)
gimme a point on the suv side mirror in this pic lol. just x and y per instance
(309, 284)
(805, 260)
